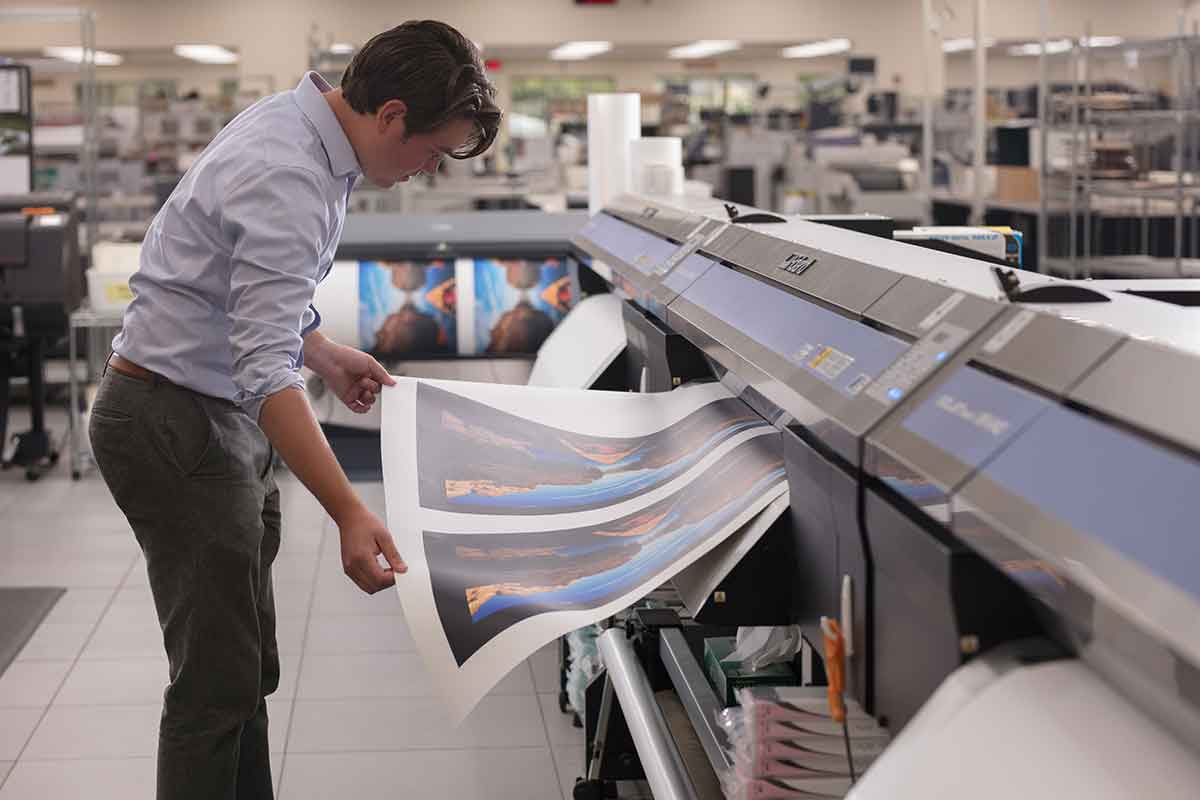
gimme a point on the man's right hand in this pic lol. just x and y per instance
(364, 537)
(288, 421)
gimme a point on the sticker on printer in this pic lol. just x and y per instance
(939, 313)
(830, 363)
(1009, 332)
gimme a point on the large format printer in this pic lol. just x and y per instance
(458, 240)
(877, 178)
(991, 484)
(40, 284)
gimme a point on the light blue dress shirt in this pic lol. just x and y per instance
(222, 297)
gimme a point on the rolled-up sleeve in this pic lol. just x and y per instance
(278, 222)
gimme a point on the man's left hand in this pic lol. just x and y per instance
(354, 376)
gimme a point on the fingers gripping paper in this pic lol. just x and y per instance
(527, 512)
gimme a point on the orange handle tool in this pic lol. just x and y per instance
(835, 667)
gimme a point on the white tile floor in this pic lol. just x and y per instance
(354, 713)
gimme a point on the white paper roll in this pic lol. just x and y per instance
(700, 189)
(614, 120)
(337, 300)
(657, 165)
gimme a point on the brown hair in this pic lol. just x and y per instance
(438, 74)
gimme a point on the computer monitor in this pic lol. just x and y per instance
(16, 129)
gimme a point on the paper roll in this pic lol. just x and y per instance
(700, 189)
(657, 163)
(614, 120)
(337, 301)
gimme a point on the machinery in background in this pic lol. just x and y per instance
(853, 176)
(16, 129)
(991, 484)
(40, 284)
(752, 167)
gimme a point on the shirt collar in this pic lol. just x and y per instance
(308, 95)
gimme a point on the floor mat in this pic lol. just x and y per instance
(21, 611)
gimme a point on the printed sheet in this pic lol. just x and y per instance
(526, 512)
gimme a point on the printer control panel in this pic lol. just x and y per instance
(914, 366)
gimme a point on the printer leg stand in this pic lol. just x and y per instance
(5, 391)
(593, 787)
(35, 452)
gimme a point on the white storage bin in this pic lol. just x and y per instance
(113, 264)
(109, 291)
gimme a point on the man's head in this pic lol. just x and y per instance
(419, 94)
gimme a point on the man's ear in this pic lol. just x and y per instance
(391, 113)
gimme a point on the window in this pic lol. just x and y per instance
(540, 105)
(733, 94)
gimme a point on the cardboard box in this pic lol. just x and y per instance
(1017, 183)
(729, 676)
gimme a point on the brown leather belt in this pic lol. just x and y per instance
(132, 370)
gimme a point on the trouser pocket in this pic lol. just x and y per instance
(187, 435)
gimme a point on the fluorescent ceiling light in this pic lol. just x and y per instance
(703, 48)
(206, 53)
(1035, 48)
(962, 45)
(75, 56)
(577, 51)
(1102, 41)
(828, 47)
(341, 48)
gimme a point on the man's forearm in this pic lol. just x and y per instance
(316, 350)
(288, 421)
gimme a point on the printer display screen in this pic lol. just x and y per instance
(643, 250)
(972, 415)
(845, 354)
(691, 268)
(1134, 496)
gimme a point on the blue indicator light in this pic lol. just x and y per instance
(895, 394)
(942, 355)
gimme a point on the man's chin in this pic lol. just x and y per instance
(388, 183)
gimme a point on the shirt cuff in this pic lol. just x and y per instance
(252, 403)
(311, 320)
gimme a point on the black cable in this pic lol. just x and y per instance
(849, 754)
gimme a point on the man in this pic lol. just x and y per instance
(203, 386)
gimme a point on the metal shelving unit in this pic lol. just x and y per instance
(1102, 195)
(100, 327)
(89, 150)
